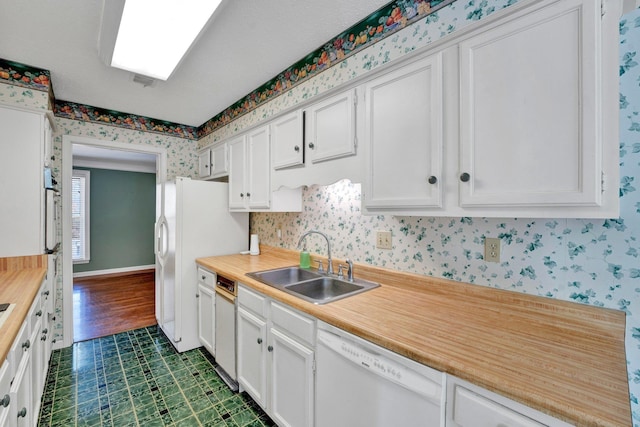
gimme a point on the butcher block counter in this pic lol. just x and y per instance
(20, 280)
(561, 358)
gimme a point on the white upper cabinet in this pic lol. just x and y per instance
(249, 164)
(204, 164)
(213, 162)
(287, 140)
(403, 131)
(530, 110)
(330, 127)
(515, 118)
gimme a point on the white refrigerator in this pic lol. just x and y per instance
(193, 222)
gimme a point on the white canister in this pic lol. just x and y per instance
(254, 246)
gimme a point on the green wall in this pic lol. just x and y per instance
(122, 215)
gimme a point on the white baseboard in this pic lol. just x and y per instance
(114, 270)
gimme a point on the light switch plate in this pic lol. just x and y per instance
(383, 240)
(491, 249)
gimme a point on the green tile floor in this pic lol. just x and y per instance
(136, 378)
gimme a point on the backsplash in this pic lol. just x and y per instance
(587, 261)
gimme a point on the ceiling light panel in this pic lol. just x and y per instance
(154, 35)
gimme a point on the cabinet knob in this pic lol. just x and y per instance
(5, 400)
(465, 177)
(270, 348)
(26, 344)
(45, 331)
(206, 166)
(259, 340)
(197, 295)
(204, 277)
(312, 145)
(432, 179)
(43, 338)
(22, 413)
(248, 194)
(242, 195)
(296, 148)
(39, 313)
(45, 293)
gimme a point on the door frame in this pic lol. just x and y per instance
(67, 171)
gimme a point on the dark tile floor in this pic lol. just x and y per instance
(136, 378)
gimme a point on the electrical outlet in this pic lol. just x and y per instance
(383, 239)
(491, 249)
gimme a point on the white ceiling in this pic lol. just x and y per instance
(248, 43)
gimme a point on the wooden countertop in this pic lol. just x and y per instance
(20, 280)
(562, 358)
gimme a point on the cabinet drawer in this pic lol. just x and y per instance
(252, 301)
(35, 312)
(17, 349)
(472, 410)
(206, 277)
(293, 322)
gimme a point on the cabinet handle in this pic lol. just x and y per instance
(296, 148)
(26, 344)
(5, 400)
(39, 313)
(270, 348)
(465, 177)
(45, 331)
(204, 277)
(197, 295)
(45, 293)
(22, 413)
(312, 145)
(206, 166)
(432, 179)
(43, 338)
(259, 340)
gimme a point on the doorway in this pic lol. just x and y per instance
(118, 152)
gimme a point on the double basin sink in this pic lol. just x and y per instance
(311, 285)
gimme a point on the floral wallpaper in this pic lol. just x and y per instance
(24, 75)
(20, 96)
(88, 113)
(380, 24)
(592, 262)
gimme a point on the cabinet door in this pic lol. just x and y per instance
(219, 161)
(37, 357)
(330, 127)
(292, 383)
(237, 173)
(403, 133)
(204, 164)
(252, 359)
(530, 110)
(287, 135)
(20, 394)
(259, 159)
(5, 398)
(206, 318)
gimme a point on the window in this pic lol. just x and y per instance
(80, 216)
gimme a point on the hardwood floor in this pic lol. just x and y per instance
(113, 303)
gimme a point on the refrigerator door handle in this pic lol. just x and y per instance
(164, 247)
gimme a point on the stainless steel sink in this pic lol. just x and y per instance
(310, 285)
(284, 276)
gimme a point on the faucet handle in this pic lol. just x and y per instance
(340, 274)
(320, 267)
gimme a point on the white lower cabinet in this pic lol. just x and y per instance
(206, 310)
(471, 406)
(23, 375)
(276, 358)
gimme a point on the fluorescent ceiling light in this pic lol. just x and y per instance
(154, 35)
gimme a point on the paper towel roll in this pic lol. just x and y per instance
(254, 246)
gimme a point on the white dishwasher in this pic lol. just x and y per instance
(361, 384)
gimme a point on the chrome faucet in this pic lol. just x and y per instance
(330, 266)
